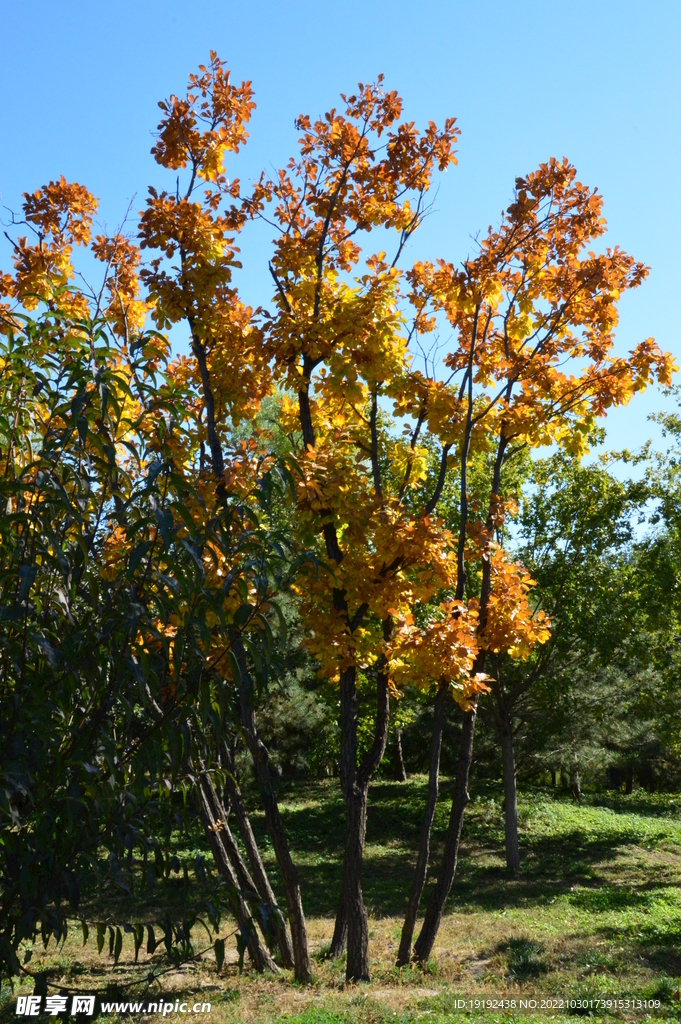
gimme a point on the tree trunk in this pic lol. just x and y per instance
(260, 958)
(264, 908)
(357, 967)
(220, 824)
(438, 899)
(629, 781)
(340, 930)
(289, 873)
(564, 780)
(355, 788)
(575, 786)
(260, 877)
(404, 953)
(401, 770)
(431, 923)
(553, 778)
(510, 798)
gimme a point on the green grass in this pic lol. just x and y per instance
(594, 911)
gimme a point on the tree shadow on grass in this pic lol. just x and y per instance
(642, 803)
(606, 898)
(551, 865)
(551, 868)
(657, 948)
(314, 818)
(387, 879)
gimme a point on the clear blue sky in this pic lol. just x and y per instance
(597, 81)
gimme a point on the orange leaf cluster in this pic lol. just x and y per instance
(60, 216)
(511, 626)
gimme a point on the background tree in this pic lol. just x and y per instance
(605, 553)
(573, 532)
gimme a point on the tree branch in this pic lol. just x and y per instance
(374, 445)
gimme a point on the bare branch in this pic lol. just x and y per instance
(376, 469)
(280, 289)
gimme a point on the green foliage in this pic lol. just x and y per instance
(524, 959)
(600, 687)
(298, 725)
(106, 619)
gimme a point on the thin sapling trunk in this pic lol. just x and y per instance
(355, 787)
(259, 873)
(404, 953)
(289, 872)
(401, 770)
(510, 798)
(431, 923)
(260, 957)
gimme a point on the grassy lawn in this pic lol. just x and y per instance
(594, 911)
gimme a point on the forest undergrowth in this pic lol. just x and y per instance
(595, 911)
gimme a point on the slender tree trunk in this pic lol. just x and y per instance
(510, 798)
(340, 930)
(220, 823)
(501, 707)
(260, 957)
(401, 770)
(404, 952)
(355, 788)
(431, 923)
(629, 781)
(264, 909)
(260, 877)
(348, 771)
(289, 873)
(229, 863)
(575, 786)
(436, 906)
(553, 778)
